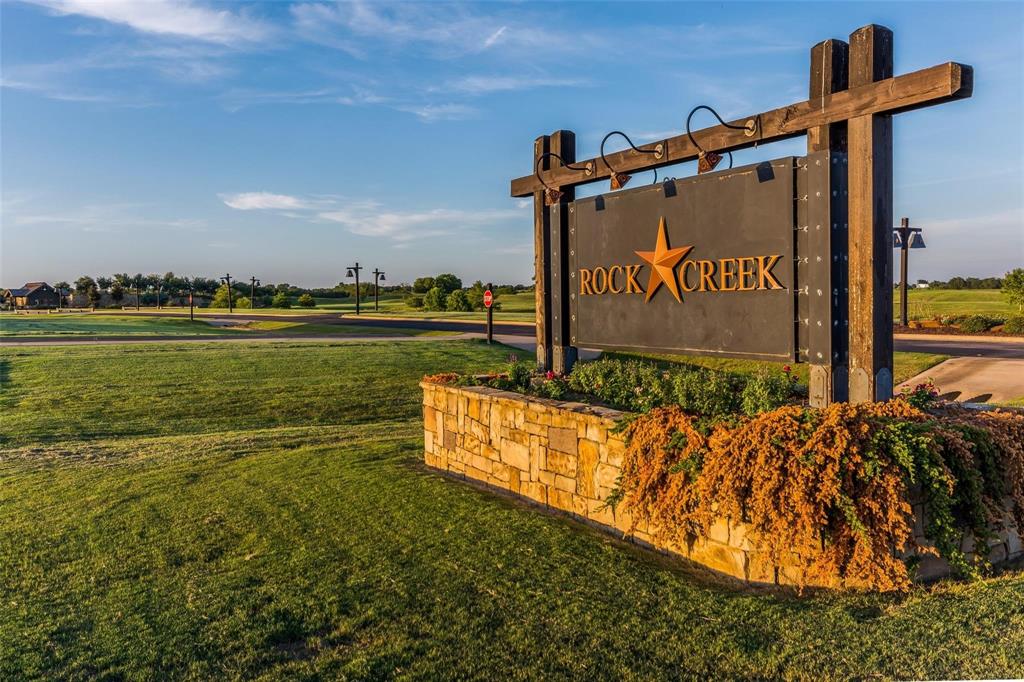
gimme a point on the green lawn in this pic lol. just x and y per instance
(210, 511)
(925, 304)
(105, 324)
(905, 365)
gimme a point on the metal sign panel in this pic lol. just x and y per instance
(703, 265)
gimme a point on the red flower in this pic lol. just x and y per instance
(549, 375)
(787, 369)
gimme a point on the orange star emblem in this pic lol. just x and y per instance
(663, 261)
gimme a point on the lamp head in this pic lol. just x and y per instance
(916, 241)
(382, 276)
(897, 240)
(349, 273)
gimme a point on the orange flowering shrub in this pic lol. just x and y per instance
(829, 489)
(443, 378)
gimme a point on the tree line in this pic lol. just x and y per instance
(438, 293)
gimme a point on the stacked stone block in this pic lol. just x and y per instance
(567, 456)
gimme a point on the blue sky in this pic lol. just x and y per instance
(287, 140)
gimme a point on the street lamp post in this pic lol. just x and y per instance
(378, 277)
(159, 290)
(355, 269)
(137, 295)
(252, 292)
(227, 280)
(191, 298)
(905, 238)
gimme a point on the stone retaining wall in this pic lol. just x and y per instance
(566, 457)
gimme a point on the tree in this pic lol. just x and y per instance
(1013, 287)
(457, 301)
(476, 295)
(422, 285)
(281, 300)
(103, 283)
(242, 302)
(306, 301)
(94, 296)
(434, 300)
(116, 292)
(220, 299)
(447, 283)
(83, 284)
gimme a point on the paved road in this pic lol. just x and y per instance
(921, 343)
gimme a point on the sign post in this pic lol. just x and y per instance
(827, 300)
(489, 303)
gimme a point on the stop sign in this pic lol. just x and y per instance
(488, 298)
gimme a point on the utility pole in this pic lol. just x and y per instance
(159, 289)
(252, 292)
(905, 238)
(137, 295)
(378, 276)
(191, 298)
(227, 280)
(355, 269)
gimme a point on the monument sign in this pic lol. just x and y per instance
(788, 259)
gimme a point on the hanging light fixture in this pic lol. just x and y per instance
(553, 194)
(619, 180)
(916, 241)
(897, 240)
(349, 273)
(707, 160)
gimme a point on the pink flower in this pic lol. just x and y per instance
(787, 369)
(549, 375)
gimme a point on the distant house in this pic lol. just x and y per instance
(32, 295)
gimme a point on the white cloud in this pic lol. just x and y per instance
(480, 85)
(369, 220)
(439, 112)
(181, 18)
(254, 201)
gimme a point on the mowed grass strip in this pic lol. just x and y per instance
(82, 392)
(325, 549)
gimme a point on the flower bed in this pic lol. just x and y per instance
(857, 496)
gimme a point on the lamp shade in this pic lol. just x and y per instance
(349, 274)
(382, 276)
(897, 241)
(916, 241)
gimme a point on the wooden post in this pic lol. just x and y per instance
(563, 355)
(827, 342)
(540, 259)
(870, 225)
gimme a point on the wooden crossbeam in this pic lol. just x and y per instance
(927, 87)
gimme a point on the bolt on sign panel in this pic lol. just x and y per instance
(704, 265)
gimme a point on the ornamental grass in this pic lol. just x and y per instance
(832, 489)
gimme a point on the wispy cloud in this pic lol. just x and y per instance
(481, 85)
(97, 217)
(439, 112)
(178, 18)
(439, 30)
(372, 218)
(261, 201)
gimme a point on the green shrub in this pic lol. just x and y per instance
(306, 301)
(1014, 325)
(629, 385)
(434, 299)
(766, 390)
(281, 300)
(706, 392)
(457, 301)
(976, 324)
(242, 302)
(414, 301)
